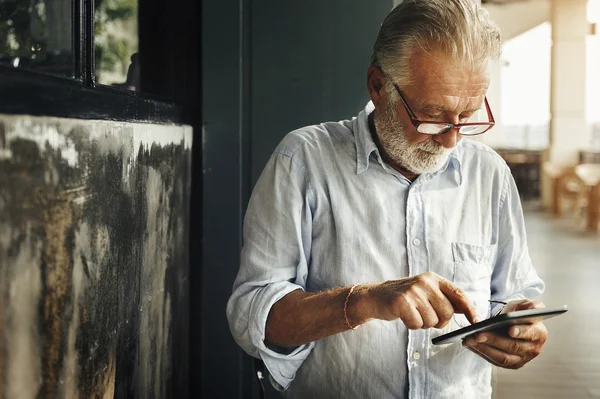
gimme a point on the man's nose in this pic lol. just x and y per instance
(448, 139)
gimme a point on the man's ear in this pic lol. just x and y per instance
(375, 84)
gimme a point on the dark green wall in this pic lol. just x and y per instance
(308, 63)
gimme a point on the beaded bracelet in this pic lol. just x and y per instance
(346, 307)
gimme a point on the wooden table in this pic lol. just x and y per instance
(590, 175)
(589, 156)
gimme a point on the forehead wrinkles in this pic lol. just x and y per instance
(451, 103)
(476, 86)
(460, 104)
(446, 83)
(458, 97)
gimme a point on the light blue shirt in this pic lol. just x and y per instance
(328, 212)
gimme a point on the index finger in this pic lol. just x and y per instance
(459, 300)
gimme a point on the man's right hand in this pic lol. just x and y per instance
(423, 301)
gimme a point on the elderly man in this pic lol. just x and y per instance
(391, 222)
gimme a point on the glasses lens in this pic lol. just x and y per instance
(461, 320)
(473, 129)
(433, 128)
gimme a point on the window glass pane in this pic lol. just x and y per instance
(525, 88)
(592, 78)
(116, 43)
(36, 34)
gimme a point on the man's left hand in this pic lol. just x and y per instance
(523, 343)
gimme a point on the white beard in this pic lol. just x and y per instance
(425, 157)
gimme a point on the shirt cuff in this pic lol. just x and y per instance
(282, 367)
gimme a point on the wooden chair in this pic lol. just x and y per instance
(573, 190)
(566, 186)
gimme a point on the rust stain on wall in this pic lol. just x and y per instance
(109, 381)
(57, 217)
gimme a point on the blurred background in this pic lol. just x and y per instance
(113, 109)
(545, 93)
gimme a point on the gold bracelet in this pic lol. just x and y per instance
(346, 307)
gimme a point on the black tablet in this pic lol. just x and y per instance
(502, 321)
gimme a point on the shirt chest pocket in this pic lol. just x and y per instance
(473, 267)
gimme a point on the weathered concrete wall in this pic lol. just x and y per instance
(93, 259)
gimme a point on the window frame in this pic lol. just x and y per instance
(30, 92)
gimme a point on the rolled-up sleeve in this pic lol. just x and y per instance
(514, 276)
(274, 261)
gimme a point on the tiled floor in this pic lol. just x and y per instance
(568, 259)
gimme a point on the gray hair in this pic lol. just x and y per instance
(460, 29)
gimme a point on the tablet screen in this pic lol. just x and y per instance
(505, 320)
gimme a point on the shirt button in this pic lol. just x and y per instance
(416, 242)
(416, 355)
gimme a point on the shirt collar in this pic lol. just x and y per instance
(453, 166)
(364, 139)
(365, 146)
(452, 169)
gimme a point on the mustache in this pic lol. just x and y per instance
(386, 121)
(433, 147)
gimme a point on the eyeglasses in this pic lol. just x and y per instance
(433, 128)
(465, 323)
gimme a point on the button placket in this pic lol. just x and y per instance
(417, 265)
